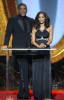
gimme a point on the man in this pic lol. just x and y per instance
(20, 26)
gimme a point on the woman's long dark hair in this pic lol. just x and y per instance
(37, 23)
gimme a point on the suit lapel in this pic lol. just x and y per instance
(28, 26)
(21, 24)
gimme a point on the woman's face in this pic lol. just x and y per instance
(41, 18)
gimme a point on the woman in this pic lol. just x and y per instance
(42, 35)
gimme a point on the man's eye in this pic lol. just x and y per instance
(24, 8)
(20, 9)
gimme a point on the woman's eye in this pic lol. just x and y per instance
(42, 16)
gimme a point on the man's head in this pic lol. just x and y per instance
(22, 9)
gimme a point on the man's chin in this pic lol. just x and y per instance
(23, 14)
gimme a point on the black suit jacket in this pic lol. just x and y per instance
(15, 26)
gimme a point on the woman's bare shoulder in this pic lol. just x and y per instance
(51, 27)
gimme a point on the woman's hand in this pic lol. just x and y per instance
(42, 45)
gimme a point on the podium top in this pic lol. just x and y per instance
(28, 49)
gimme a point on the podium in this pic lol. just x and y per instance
(10, 77)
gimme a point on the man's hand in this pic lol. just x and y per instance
(4, 47)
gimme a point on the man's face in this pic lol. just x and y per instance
(22, 10)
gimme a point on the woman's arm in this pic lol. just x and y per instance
(50, 35)
(33, 37)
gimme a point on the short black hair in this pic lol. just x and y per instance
(21, 5)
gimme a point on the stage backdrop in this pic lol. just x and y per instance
(54, 9)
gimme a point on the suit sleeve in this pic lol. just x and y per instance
(32, 23)
(9, 30)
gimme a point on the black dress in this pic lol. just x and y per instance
(42, 68)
